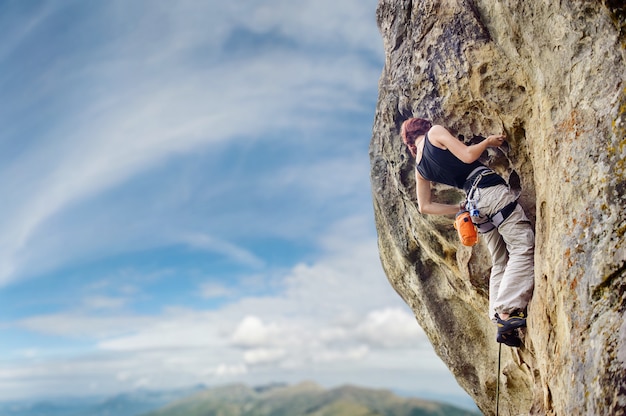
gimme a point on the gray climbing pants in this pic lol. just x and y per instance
(512, 249)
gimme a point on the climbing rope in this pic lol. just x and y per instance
(498, 381)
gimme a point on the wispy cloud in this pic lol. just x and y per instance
(81, 325)
(205, 242)
(213, 290)
(143, 106)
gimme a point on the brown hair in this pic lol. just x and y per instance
(413, 128)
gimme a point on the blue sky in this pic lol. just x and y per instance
(186, 199)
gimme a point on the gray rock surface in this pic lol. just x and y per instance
(552, 76)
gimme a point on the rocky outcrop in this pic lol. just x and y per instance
(552, 76)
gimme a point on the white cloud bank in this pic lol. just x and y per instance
(336, 320)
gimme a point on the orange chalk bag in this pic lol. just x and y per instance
(466, 228)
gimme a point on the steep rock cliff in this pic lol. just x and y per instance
(552, 76)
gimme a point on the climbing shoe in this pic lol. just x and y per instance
(516, 319)
(511, 338)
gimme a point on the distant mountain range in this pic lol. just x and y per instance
(127, 404)
(303, 399)
(240, 400)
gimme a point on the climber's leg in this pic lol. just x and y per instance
(517, 283)
(490, 200)
(499, 259)
(512, 253)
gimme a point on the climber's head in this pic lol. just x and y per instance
(413, 128)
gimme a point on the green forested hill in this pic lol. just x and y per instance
(303, 399)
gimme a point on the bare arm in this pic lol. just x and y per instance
(424, 199)
(441, 137)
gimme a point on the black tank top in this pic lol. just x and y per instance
(439, 165)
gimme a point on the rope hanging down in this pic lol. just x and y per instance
(498, 381)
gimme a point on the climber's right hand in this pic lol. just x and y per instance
(496, 140)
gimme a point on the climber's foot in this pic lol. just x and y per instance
(511, 338)
(516, 319)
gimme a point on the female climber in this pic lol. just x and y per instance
(441, 157)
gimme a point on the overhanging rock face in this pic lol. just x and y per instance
(552, 76)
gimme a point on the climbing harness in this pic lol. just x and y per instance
(473, 196)
(498, 381)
